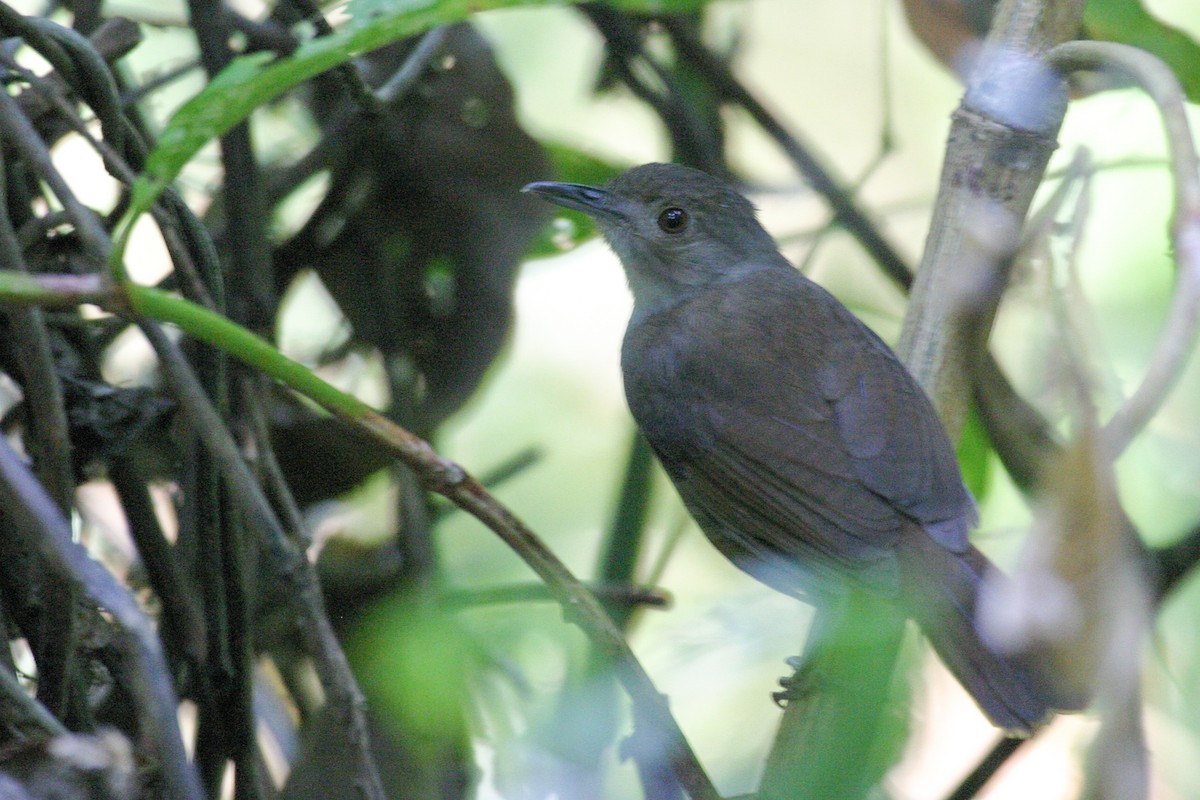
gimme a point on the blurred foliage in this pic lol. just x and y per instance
(1130, 22)
(975, 455)
(415, 663)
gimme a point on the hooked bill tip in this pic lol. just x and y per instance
(554, 187)
(539, 186)
(589, 199)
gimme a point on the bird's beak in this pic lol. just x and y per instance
(590, 200)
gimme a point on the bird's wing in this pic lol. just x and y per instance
(895, 439)
(797, 438)
(783, 492)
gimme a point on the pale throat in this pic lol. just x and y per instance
(656, 293)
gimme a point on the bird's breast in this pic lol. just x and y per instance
(655, 362)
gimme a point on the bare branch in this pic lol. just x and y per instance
(19, 132)
(33, 514)
(1176, 341)
(24, 711)
(289, 564)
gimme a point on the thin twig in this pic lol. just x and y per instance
(845, 210)
(23, 711)
(43, 390)
(253, 389)
(188, 243)
(19, 132)
(89, 76)
(169, 76)
(112, 40)
(248, 250)
(620, 596)
(360, 93)
(996, 758)
(696, 141)
(333, 140)
(49, 443)
(183, 620)
(1021, 436)
(439, 474)
(582, 607)
(404, 78)
(1178, 336)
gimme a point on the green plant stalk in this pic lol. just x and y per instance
(218, 331)
(56, 291)
(254, 351)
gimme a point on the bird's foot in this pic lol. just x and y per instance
(796, 685)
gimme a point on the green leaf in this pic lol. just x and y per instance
(363, 12)
(845, 728)
(571, 228)
(1128, 22)
(252, 80)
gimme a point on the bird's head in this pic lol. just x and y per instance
(675, 229)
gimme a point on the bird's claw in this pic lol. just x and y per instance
(795, 685)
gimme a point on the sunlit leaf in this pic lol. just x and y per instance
(252, 80)
(364, 12)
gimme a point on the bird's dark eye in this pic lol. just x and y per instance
(673, 220)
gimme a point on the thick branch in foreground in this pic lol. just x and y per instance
(1175, 343)
(1001, 139)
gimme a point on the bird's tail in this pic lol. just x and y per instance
(940, 590)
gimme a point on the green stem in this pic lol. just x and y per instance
(56, 291)
(440, 475)
(248, 347)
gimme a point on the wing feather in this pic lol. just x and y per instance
(792, 438)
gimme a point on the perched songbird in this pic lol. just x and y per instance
(797, 439)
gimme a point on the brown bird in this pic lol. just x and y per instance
(797, 439)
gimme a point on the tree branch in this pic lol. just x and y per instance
(288, 563)
(1001, 139)
(33, 514)
(439, 475)
(845, 210)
